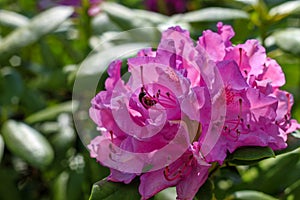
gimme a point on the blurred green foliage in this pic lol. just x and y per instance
(41, 155)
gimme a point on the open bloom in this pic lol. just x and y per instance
(185, 106)
(258, 113)
(150, 124)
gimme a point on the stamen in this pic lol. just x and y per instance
(111, 136)
(148, 100)
(240, 61)
(180, 172)
(237, 123)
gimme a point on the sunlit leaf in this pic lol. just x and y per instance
(212, 14)
(42, 24)
(156, 18)
(27, 143)
(166, 194)
(127, 18)
(52, 112)
(296, 134)
(1, 147)
(249, 195)
(106, 190)
(288, 40)
(12, 19)
(65, 137)
(285, 9)
(98, 62)
(101, 23)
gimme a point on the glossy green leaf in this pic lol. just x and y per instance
(51, 113)
(97, 63)
(250, 195)
(101, 23)
(27, 143)
(105, 190)
(12, 19)
(296, 134)
(248, 154)
(288, 40)
(166, 194)
(156, 18)
(285, 9)
(124, 17)
(42, 24)
(1, 148)
(212, 14)
(65, 137)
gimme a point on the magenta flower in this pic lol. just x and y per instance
(184, 107)
(258, 112)
(150, 125)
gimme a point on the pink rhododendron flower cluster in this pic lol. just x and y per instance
(185, 106)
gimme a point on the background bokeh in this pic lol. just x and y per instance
(42, 47)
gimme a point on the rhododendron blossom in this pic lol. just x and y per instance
(258, 112)
(184, 106)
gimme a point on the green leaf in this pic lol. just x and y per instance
(293, 190)
(44, 23)
(12, 19)
(250, 195)
(156, 18)
(273, 171)
(10, 77)
(105, 190)
(206, 191)
(124, 17)
(8, 189)
(27, 143)
(253, 153)
(166, 194)
(60, 185)
(285, 9)
(1, 147)
(74, 190)
(101, 24)
(97, 63)
(247, 155)
(296, 134)
(51, 113)
(65, 137)
(212, 14)
(288, 40)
